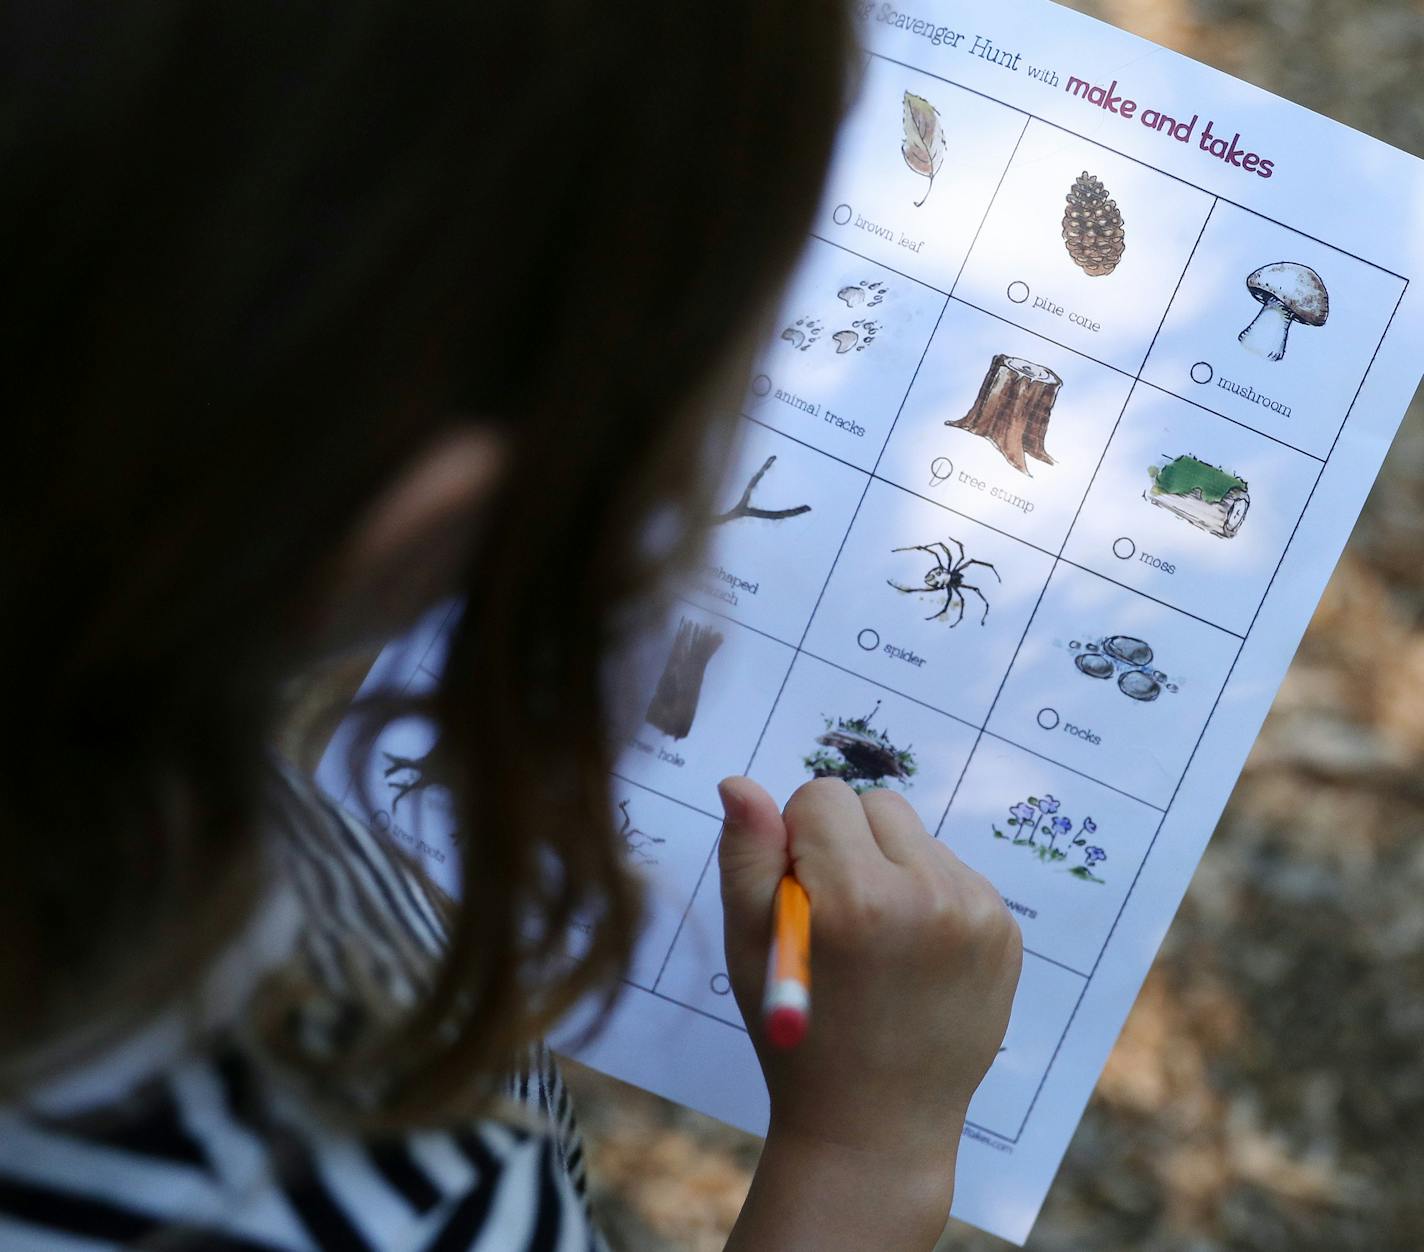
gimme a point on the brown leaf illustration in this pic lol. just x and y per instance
(923, 146)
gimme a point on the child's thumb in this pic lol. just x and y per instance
(753, 855)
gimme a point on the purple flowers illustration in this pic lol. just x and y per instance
(1036, 824)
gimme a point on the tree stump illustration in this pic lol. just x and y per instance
(674, 703)
(1012, 409)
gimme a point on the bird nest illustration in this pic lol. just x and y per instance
(852, 751)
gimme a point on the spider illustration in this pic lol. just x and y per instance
(947, 577)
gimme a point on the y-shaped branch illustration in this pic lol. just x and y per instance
(745, 508)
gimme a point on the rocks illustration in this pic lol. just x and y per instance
(947, 578)
(1288, 292)
(923, 143)
(674, 705)
(856, 754)
(745, 508)
(1125, 658)
(1013, 408)
(1210, 498)
(1093, 229)
(1036, 825)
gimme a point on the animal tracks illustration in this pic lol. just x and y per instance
(865, 295)
(858, 338)
(802, 333)
(862, 294)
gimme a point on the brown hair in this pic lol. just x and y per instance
(255, 256)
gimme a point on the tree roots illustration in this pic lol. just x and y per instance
(802, 333)
(419, 770)
(638, 841)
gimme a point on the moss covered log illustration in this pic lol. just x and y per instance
(1207, 496)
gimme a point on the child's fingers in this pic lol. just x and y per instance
(752, 856)
(896, 827)
(832, 848)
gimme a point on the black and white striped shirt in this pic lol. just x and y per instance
(162, 1145)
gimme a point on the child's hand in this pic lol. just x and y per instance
(914, 962)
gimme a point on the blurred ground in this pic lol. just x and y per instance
(1268, 1091)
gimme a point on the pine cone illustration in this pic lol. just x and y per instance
(1092, 227)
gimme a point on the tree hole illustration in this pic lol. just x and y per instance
(1037, 826)
(1126, 659)
(1288, 292)
(1093, 229)
(1209, 497)
(802, 333)
(947, 578)
(641, 845)
(923, 144)
(1013, 408)
(863, 757)
(745, 508)
(674, 704)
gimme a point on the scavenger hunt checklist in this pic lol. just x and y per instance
(1091, 359)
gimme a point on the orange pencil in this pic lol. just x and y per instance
(786, 1006)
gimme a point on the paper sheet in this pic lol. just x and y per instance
(1054, 513)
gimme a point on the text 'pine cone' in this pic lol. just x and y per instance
(1092, 227)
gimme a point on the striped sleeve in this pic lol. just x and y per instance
(216, 1159)
(211, 1152)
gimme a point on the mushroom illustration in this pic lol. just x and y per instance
(1287, 292)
